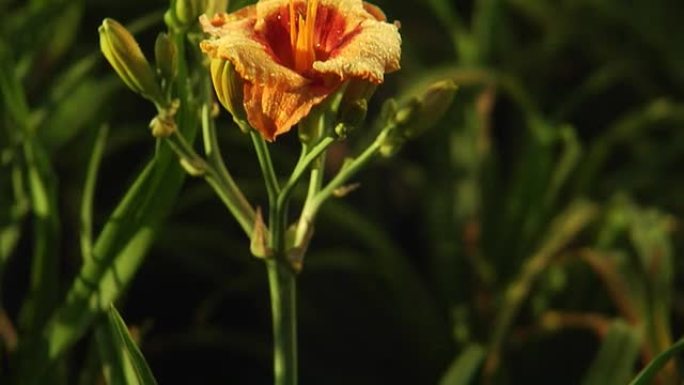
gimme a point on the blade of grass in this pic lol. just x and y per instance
(89, 193)
(464, 368)
(614, 362)
(41, 185)
(44, 282)
(562, 230)
(648, 374)
(122, 360)
(117, 253)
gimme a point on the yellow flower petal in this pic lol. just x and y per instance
(369, 54)
(273, 111)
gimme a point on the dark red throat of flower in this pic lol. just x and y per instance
(303, 32)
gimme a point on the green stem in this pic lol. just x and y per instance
(283, 289)
(277, 233)
(266, 165)
(317, 197)
(219, 179)
(308, 157)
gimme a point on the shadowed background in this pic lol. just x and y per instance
(531, 237)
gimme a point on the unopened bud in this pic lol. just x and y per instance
(228, 87)
(424, 110)
(354, 105)
(166, 56)
(124, 54)
(390, 138)
(352, 116)
(216, 6)
(184, 13)
(392, 142)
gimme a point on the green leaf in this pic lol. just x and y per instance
(122, 361)
(117, 253)
(614, 362)
(11, 89)
(44, 285)
(89, 193)
(464, 368)
(647, 374)
(63, 120)
(41, 186)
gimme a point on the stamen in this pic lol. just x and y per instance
(293, 28)
(302, 35)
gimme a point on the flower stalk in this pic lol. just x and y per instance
(282, 281)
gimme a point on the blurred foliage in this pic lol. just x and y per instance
(532, 237)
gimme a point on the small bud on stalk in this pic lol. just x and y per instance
(184, 13)
(124, 54)
(354, 105)
(166, 57)
(415, 115)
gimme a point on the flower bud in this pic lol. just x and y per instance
(166, 56)
(184, 13)
(413, 116)
(354, 104)
(424, 110)
(123, 53)
(228, 87)
(216, 6)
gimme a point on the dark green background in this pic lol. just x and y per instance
(559, 100)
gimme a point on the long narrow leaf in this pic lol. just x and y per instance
(646, 376)
(464, 368)
(614, 362)
(89, 193)
(123, 363)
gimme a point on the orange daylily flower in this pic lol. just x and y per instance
(292, 54)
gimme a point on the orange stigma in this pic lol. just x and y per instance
(302, 36)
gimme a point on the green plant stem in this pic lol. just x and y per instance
(266, 164)
(317, 198)
(306, 160)
(283, 289)
(219, 179)
(277, 235)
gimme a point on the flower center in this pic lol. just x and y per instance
(302, 36)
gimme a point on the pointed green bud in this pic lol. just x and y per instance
(354, 105)
(166, 57)
(426, 108)
(188, 11)
(216, 6)
(351, 117)
(417, 113)
(228, 86)
(124, 54)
